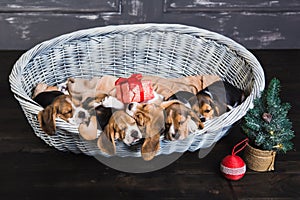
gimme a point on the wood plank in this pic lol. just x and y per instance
(85, 176)
(255, 24)
(252, 30)
(63, 6)
(269, 185)
(231, 6)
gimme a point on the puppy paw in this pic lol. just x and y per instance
(89, 132)
(112, 102)
(107, 101)
(200, 125)
(148, 156)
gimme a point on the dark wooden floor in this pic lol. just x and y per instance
(30, 169)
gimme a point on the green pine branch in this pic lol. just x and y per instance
(275, 132)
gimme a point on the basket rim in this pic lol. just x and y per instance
(226, 119)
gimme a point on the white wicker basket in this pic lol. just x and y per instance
(167, 50)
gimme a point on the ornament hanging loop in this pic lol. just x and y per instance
(245, 142)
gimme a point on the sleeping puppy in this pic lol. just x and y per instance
(150, 119)
(61, 107)
(180, 121)
(216, 99)
(91, 117)
(55, 104)
(121, 126)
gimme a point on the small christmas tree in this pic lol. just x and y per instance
(266, 124)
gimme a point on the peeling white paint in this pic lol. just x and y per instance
(107, 16)
(273, 2)
(208, 3)
(173, 5)
(291, 13)
(271, 37)
(22, 26)
(235, 33)
(112, 4)
(88, 17)
(13, 6)
(266, 38)
(11, 20)
(136, 8)
(259, 14)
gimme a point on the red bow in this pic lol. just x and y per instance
(133, 80)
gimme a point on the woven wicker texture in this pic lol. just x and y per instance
(165, 50)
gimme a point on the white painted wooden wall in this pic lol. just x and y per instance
(256, 24)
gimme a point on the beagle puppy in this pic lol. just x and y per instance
(122, 127)
(56, 103)
(150, 119)
(180, 121)
(216, 99)
(60, 107)
(91, 117)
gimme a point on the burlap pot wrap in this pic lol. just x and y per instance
(259, 160)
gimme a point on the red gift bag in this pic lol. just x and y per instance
(133, 89)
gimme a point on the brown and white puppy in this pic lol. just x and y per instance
(92, 104)
(55, 103)
(121, 126)
(150, 119)
(216, 99)
(90, 117)
(180, 121)
(61, 107)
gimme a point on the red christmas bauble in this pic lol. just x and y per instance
(233, 167)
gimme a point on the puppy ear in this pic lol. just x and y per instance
(152, 138)
(89, 132)
(216, 109)
(150, 147)
(196, 119)
(166, 104)
(106, 141)
(46, 119)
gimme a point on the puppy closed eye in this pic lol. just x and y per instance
(206, 111)
(181, 119)
(141, 119)
(68, 111)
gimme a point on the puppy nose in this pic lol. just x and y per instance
(135, 134)
(202, 119)
(130, 106)
(81, 114)
(176, 135)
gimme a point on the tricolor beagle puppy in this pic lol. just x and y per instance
(212, 101)
(180, 121)
(55, 104)
(150, 119)
(122, 127)
(61, 107)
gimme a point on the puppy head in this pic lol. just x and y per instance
(121, 126)
(150, 119)
(91, 119)
(61, 107)
(204, 106)
(83, 110)
(180, 121)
